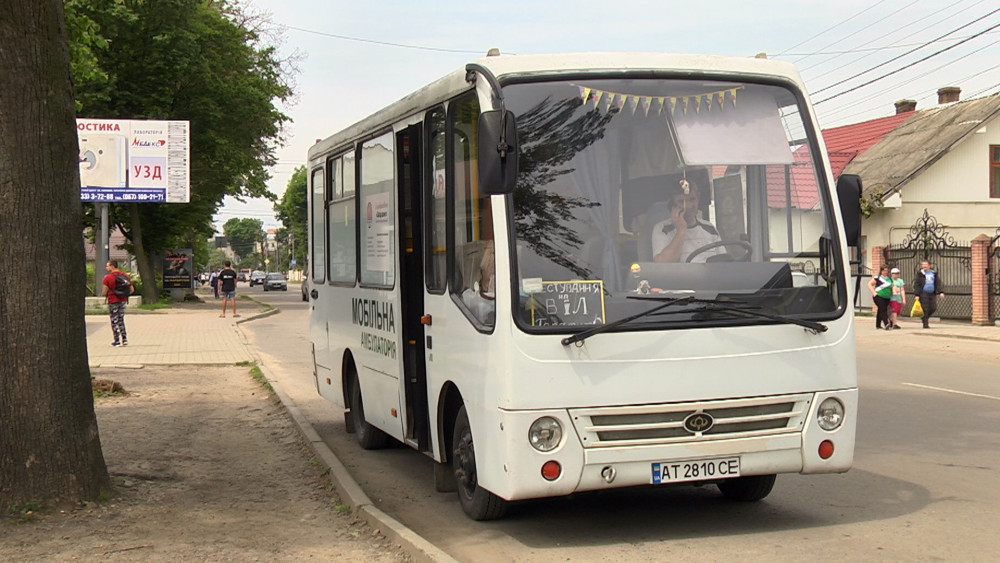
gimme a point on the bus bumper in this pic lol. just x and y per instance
(523, 473)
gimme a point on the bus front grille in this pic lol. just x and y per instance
(665, 423)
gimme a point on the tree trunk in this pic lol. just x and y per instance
(150, 293)
(50, 448)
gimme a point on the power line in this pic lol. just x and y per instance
(911, 65)
(932, 14)
(385, 43)
(918, 95)
(883, 18)
(830, 28)
(896, 58)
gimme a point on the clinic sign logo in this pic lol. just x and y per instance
(134, 160)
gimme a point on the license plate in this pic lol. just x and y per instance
(695, 470)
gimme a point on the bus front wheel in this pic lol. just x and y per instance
(477, 502)
(747, 489)
(369, 437)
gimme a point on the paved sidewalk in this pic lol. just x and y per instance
(188, 333)
(911, 328)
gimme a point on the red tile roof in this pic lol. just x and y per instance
(843, 144)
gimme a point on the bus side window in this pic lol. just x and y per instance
(436, 227)
(473, 260)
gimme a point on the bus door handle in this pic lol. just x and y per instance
(425, 320)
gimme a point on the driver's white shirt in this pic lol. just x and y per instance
(699, 235)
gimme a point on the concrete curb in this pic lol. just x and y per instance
(348, 489)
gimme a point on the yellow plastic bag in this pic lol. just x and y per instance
(918, 310)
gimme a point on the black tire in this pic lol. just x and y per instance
(747, 489)
(477, 502)
(369, 437)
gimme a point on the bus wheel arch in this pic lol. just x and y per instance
(477, 502)
(348, 371)
(369, 437)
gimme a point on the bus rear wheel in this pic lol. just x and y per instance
(477, 502)
(369, 437)
(747, 489)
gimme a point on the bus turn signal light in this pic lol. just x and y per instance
(825, 449)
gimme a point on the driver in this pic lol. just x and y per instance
(674, 239)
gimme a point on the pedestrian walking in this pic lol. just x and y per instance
(227, 287)
(898, 299)
(881, 288)
(213, 280)
(927, 286)
(116, 288)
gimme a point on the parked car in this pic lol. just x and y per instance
(243, 275)
(275, 281)
(257, 278)
(305, 289)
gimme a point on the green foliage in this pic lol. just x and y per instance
(205, 62)
(292, 212)
(244, 236)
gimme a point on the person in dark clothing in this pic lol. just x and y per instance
(227, 288)
(927, 286)
(881, 288)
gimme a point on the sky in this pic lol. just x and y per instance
(350, 59)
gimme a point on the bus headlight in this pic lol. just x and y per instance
(545, 434)
(830, 414)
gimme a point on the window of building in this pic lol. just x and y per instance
(378, 212)
(435, 185)
(318, 207)
(474, 279)
(994, 170)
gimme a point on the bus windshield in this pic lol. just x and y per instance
(668, 187)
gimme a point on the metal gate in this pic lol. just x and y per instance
(928, 240)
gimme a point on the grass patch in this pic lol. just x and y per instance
(27, 512)
(154, 306)
(245, 363)
(258, 376)
(102, 388)
(266, 306)
(343, 508)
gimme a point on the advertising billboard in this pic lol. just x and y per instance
(131, 160)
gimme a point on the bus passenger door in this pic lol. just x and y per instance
(411, 286)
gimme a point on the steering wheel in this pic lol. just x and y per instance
(746, 245)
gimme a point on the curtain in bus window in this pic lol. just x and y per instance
(378, 246)
(747, 131)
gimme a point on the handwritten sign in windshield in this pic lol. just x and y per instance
(567, 303)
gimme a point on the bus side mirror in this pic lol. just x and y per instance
(497, 148)
(849, 194)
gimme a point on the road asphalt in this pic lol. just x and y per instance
(194, 334)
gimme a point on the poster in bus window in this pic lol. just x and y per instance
(378, 232)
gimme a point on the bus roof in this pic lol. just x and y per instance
(507, 66)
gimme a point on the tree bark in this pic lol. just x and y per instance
(147, 273)
(50, 448)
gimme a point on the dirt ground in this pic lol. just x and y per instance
(207, 466)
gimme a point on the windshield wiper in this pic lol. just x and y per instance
(585, 334)
(715, 306)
